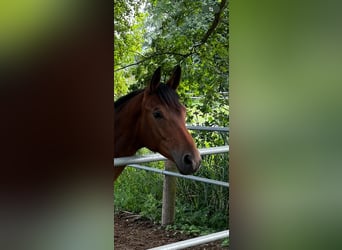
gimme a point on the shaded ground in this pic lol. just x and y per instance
(131, 232)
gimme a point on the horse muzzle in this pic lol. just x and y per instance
(188, 163)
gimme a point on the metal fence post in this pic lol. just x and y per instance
(169, 195)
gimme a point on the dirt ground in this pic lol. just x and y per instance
(131, 232)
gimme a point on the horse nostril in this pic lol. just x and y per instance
(187, 159)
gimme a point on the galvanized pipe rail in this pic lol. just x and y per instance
(190, 177)
(204, 128)
(122, 161)
(194, 242)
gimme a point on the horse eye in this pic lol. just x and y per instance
(157, 115)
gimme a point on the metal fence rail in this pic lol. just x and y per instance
(194, 242)
(190, 177)
(203, 128)
(122, 161)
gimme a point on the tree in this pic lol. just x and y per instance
(195, 35)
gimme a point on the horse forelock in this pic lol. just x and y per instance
(168, 96)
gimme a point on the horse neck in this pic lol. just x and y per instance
(126, 128)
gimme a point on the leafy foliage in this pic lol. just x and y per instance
(128, 37)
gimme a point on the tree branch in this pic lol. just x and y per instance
(154, 55)
(214, 23)
(132, 64)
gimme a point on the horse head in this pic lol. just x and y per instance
(162, 125)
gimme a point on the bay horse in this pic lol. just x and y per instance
(154, 118)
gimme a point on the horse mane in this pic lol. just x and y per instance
(124, 99)
(166, 94)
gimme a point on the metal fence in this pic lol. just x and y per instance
(135, 161)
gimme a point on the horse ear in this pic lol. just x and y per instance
(155, 81)
(174, 80)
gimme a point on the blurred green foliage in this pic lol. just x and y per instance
(286, 85)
